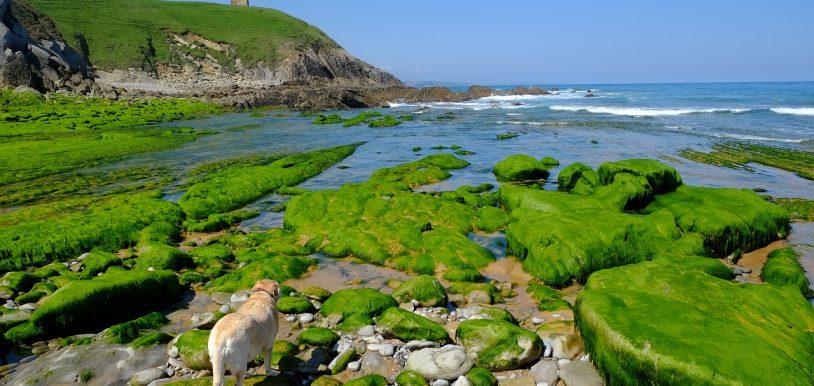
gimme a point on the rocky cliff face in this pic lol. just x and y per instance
(34, 54)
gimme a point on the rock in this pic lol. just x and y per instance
(448, 362)
(355, 365)
(225, 309)
(173, 352)
(484, 312)
(203, 320)
(457, 299)
(341, 361)
(306, 318)
(419, 344)
(407, 326)
(462, 381)
(498, 345)
(365, 301)
(374, 363)
(145, 377)
(566, 346)
(579, 373)
(316, 293)
(295, 305)
(39, 350)
(6, 293)
(15, 318)
(387, 349)
(193, 350)
(440, 382)
(9, 304)
(425, 290)
(239, 297)
(519, 167)
(366, 331)
(221, 298)
(312, 359)
(407, 306)
(537, 320)
(545, 372)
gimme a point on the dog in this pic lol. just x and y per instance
(242, 335)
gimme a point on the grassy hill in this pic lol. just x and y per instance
(117, 31)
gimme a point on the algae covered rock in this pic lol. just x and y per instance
(317, 293)
(411, 378)
(498, 345)
(448, 362)
(783, 268)
(568, 177)
(294, 305)
(520, 167)
(646, 324)
(97, 262)
(162, 256)
(262, 266)
(368, 380)
(408, 326)
(18, 281)
(662, 178)
(730, 220)
(193, 348)
(365, 301)
(479, 376)
(425, 289)
(318, 336)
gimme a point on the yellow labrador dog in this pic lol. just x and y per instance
(242, 335)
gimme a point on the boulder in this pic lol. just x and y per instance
(318, 336)
(520, 167)
(411, 378)
(545, 372)
(203, 320)
(340, 362)
(498, 345)
(145, 377)
(448, 362)
(294, 305)
(425, 289)
(364, 301)
(579, 373)
(193, 349)
(407, 326)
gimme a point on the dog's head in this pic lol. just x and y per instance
(270, 287)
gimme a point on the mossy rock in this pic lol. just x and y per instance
(316, 292)
(411, 378)
(662, 178)
(683, 263)
(467, 275)
(486, 312)
(425, 289)
(564, 327)
(568, 177)
(151, 339)
(478, 376)
(206, 255)
(30, 297)
(106, 299)
(783, 268)
(730, 220)
(18, 281)
(626, 192)
(160, 232)
(647, 324)
(98, 262)
(193, 348)
(128, 331)
(408, 326)
(548, 299)
(294, 305)
(264, 266)
(50, 270)
(369, 380)
(549, 161)
(366, 301)
(467, 288)
(161, 256)
(490, 219)
(520, 167)
(326, 381)
(354, 322)
(498, 345)
(282, 349)
(318, 336)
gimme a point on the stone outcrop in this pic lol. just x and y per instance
(34, 54)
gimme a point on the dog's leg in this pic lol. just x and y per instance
(239, 377)
(218, 371)
(267, 358)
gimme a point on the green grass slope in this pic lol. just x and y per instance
(117, 30)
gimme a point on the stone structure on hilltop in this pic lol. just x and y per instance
(243, 3)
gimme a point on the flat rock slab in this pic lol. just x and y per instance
(579, 373)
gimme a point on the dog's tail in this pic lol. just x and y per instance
(216, 357)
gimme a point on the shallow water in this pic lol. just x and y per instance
(802, 238)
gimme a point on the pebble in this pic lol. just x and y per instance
(39, 350)
(440, 382)
(537, 320)
(355, 365)
(225, 309)
(407, 306)
(27, 359)
(83, 256)
(306, 318)
(173, 353)
(419, 344)
(366, 331)
(462, 381)
(374, 347)
(548, 351)
(151, 269)
(10, 305)
(30, 307)
(387, 349)
(239, 297)
(291, 318)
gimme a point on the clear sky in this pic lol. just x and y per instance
(560, 41)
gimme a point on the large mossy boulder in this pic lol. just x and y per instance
(731, 220)
(783, 268)
(294, 305)
(193, 347)
(318, 337)
(498, 345)
(661, 178)
(425, 289)
(411, 378)
(519, 167)
(97, 262)
(113, 297)
(564, 237)
(160, 256)
(479, 376)
(18, 281)
(648, 324)
(407, 326)
(262, 266)
(571, 174)
(365, 301)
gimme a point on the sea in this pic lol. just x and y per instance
(619, 121)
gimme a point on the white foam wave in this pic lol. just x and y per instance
(642, 111)
(807, 111)
(532, 123)
(755, 138)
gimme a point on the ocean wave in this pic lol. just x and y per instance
(748, 137)
(642, 111)
(533, 123)
(807, 111)
(476, 105)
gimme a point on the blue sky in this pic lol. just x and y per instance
(559, 41)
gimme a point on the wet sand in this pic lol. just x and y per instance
(756, 259)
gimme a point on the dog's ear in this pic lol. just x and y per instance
(275, 293)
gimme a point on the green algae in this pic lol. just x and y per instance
(315, 292)
(466, 274)
(408, 326)
(799, 208)
(738, 156)
(354, 322)
(318, 337)
(161, 256)
(520, 167)
(151, 339)
(98, 262)
(368, 380)
(129, 331)
(465, 288)
(193, 349)
(501, 137)
(730, 220)
(219, 221)
(294, 305)
(366, 301)
(478, 376)
(782, 268)
(62, 230)
(237, 186)
(498, 345)
(327, 119)
(491, 219)
(548, 299)
(424, 289)
(83, 305)
(411, 378)
(265, 266)
(364, 117)
(646, 324)
(549, 161)
(661, 178)
(385, 121)
(161, 232)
